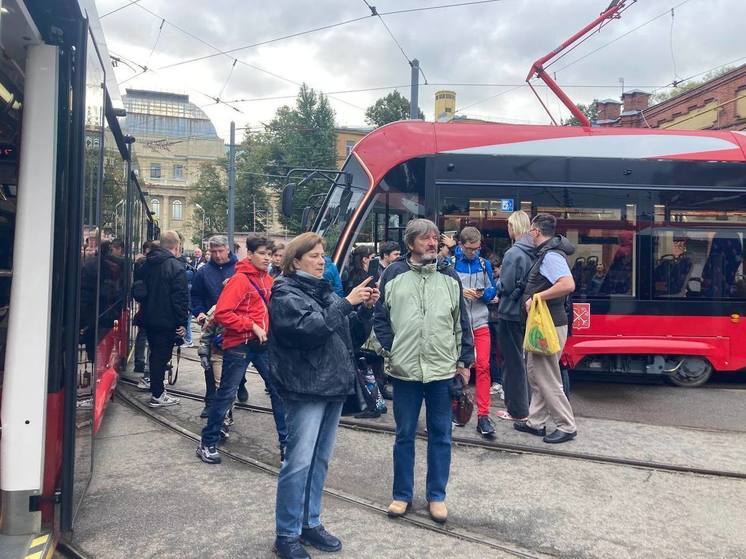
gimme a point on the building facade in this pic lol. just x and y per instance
(174, 138)
(347, 137)
(719, 104)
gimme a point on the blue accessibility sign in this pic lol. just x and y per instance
(506, 205)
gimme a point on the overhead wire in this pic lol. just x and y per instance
(122, 7)
(324, 28)
(220, 52)
(622, 36)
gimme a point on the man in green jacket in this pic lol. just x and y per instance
(422, 323)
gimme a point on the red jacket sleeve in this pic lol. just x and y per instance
(233, 295)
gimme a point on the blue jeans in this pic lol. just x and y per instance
(408, 396)
(261, 362)
(312, 430)
(188, 328)
(235, 361)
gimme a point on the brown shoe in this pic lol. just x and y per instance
(438, 511)
(399, 508)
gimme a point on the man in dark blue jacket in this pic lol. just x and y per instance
(206, 288)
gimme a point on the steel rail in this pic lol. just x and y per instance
(361, 425)
(412, 518)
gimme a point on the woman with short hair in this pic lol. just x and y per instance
(312, 338)
(511, 325)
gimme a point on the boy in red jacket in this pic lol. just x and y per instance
(243, 312)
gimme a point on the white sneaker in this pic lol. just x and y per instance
(144, 383)
(497, 390)
(164, 400)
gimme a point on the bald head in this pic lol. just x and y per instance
(171, 242)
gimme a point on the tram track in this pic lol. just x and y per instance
(414, 518)
(497, 446)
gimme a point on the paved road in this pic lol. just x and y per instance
(717, 405)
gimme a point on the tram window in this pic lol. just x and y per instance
(486, 209)
(399, 198)
(698, 245)
(602, 226)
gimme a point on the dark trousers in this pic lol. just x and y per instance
(141, 342)
(209, 386)
(161, 344)
(235, 361)
(515, 385)
(496, 358)
(408, 398)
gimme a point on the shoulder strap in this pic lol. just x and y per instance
(258, 290)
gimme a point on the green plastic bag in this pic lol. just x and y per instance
(541, 335)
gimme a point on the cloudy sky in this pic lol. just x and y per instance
(484, 50)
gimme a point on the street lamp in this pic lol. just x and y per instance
(202, 242)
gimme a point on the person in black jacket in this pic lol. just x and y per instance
(165, 309)
(313, 335)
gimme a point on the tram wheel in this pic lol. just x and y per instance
(692, 372)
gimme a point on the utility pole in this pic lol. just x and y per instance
(231, 185)
(414, 92)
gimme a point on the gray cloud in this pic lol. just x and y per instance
(493, 43)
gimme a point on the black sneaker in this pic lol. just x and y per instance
(319, 538)
(368, 414)
(209, 454)
(484, 427)
(526, 428)
(225, 434)
(290, 548)
(243, 394)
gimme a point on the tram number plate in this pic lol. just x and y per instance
(581, 313)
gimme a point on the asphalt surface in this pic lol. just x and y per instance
(151, 497)
(719, 405)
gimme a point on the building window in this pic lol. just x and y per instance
(155, 170)
(176, 209)
(349, 144)
(155, 207)
(178, 172)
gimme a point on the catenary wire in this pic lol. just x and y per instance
(622, 36)
(122, 7)
(322, 28)
(226, 53)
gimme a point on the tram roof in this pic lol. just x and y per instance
(397, 142)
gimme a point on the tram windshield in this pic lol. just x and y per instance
(398, 198)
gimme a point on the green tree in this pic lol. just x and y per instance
(688, 85)
(304, 137)
(591, 111)
(252, 200)
(390, 108)
(211, 193)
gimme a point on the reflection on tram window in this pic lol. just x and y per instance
(697, 263)
(698, 245)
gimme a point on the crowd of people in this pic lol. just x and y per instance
(417, 320)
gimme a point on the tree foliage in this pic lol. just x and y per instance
(302, 137)
(390, 108)
(211, 193)
(590, 111)
(688, 85)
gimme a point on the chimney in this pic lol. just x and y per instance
(635, 101)
(608, 110)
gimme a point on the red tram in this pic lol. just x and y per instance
(72, 218)
(658, 219)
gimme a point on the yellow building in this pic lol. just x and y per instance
(174, 138)
(445, 105)
(347, 137)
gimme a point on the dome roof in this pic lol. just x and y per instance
(165, 115)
